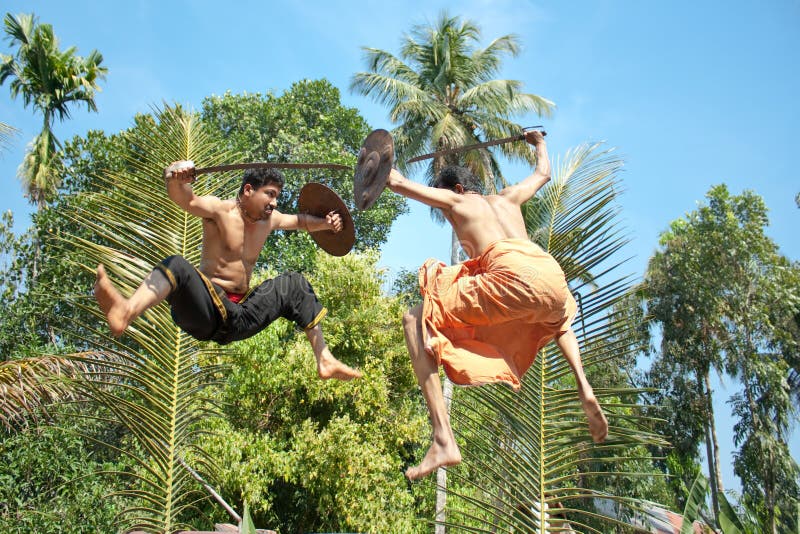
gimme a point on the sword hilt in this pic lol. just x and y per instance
(528, 128)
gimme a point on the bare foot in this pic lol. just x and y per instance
(441, 454)
(598, 425)
(112, 303)
(330, 367)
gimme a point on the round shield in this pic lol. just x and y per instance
(319, 200)
(373, 167)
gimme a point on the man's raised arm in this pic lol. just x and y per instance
(524, 190)
(179, 177)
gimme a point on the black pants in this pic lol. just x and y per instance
(202, 310)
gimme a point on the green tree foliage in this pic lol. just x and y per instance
(118, 213)
(306, 124)
(325, 456)
(11, 268)
(49, 482)
(731, 520)
(725, 299)
(49, 80)
(406, 286)
(20, 327)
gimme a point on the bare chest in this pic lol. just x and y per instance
(232, 239)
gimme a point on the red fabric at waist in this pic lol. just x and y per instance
(235, 297)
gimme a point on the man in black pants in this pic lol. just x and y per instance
(214, 301)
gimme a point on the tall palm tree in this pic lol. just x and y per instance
(442, 94)
(49, 80)
(529, 463)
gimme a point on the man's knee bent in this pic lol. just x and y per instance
(176, 269)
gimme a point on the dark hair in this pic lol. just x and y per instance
(261, 177)
(450, 176)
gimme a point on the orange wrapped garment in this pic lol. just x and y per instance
(485, 320)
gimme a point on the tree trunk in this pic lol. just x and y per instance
(769, 499)
(712, 421)
(37, 245)
(711, 470)
(766, 478)
(712, 449)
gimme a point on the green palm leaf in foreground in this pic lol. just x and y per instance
(528, 457)
(153, 379)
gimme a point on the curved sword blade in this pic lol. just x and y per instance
(270, 165)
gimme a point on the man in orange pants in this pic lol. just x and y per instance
(485, 319)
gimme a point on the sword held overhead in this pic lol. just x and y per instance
(467, 148)
(270, 165)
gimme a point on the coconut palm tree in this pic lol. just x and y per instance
(49, 80)
(529, 463)
(442, 94)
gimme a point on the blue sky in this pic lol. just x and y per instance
(691, 94)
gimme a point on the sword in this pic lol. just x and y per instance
(518, 137)
(270, 165)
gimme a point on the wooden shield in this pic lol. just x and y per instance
(319, 200)
(372, 169)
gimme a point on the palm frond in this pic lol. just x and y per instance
(574, 216)
(386, 89)
(491, 96)
(19, 28)
(31, 384)
(449, 131)
(153, 380)
(488, 60)
(529, 458)
(411, 110)
(6, 133)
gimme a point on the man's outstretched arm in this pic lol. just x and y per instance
(432, 196)
(309, 223)
(524, 190)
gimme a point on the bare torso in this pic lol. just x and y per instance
(231, 247)
(481, 220)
